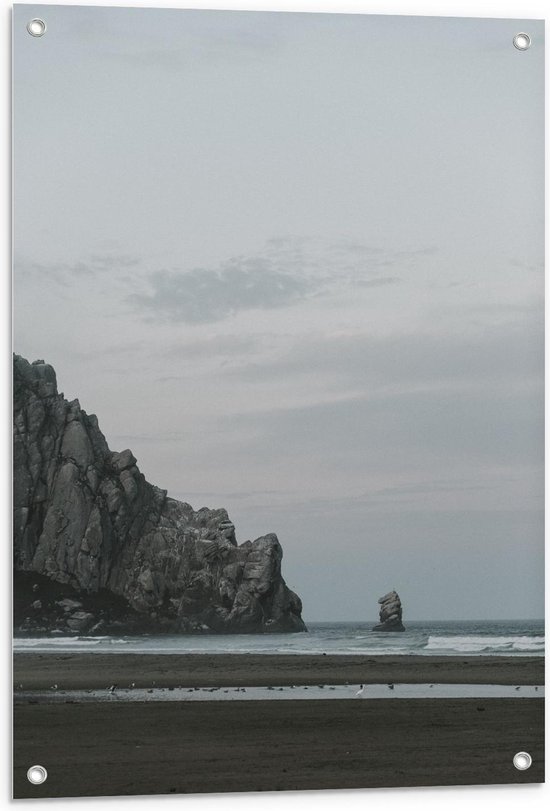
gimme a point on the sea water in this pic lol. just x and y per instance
(286, 693)
(429, 638)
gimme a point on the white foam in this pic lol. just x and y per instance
(477, 644)
(55, 642)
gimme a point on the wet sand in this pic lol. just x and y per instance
(163, 748)
(75, 671)
(117, 748)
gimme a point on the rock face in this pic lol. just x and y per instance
(87, 519)
(391, 613)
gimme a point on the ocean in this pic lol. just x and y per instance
(494, 638)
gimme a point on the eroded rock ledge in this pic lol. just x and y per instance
(86, 519)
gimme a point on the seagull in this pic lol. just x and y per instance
(53, 687)
(361, 690)
(112, 688)
(133, 684)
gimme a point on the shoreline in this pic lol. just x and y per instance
(76, 671)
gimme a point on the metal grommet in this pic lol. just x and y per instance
(522, 41)
(37, 775)
(522, 761)
(36, 27)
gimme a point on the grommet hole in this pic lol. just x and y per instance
(37, 775)
(522, 41)
(36, 27)
(522, 761)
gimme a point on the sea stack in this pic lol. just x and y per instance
(391, 613)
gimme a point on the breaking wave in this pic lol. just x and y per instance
(513, 638)
(489, 644)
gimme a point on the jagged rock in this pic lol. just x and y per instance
(80, 621)
(86, 518)
(69, 605)
(391, 613)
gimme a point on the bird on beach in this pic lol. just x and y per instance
(53, 687)
(517, 688)
(361, 690)
(391, 686)
(112, 688)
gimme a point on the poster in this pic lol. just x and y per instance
(278, 288)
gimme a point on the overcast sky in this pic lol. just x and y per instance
(295, 263)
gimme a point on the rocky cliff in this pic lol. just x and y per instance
(88, 524)
(391, 613)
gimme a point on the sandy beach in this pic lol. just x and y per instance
(72, 671)
(107, 748)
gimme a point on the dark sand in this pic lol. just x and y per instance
(156, 748)
(73, 671)
(270, 746)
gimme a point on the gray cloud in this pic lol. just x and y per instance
(378, 282)
(405, 431)
(67, 272)
(511, 352)
(288, 270)
(199, 296)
